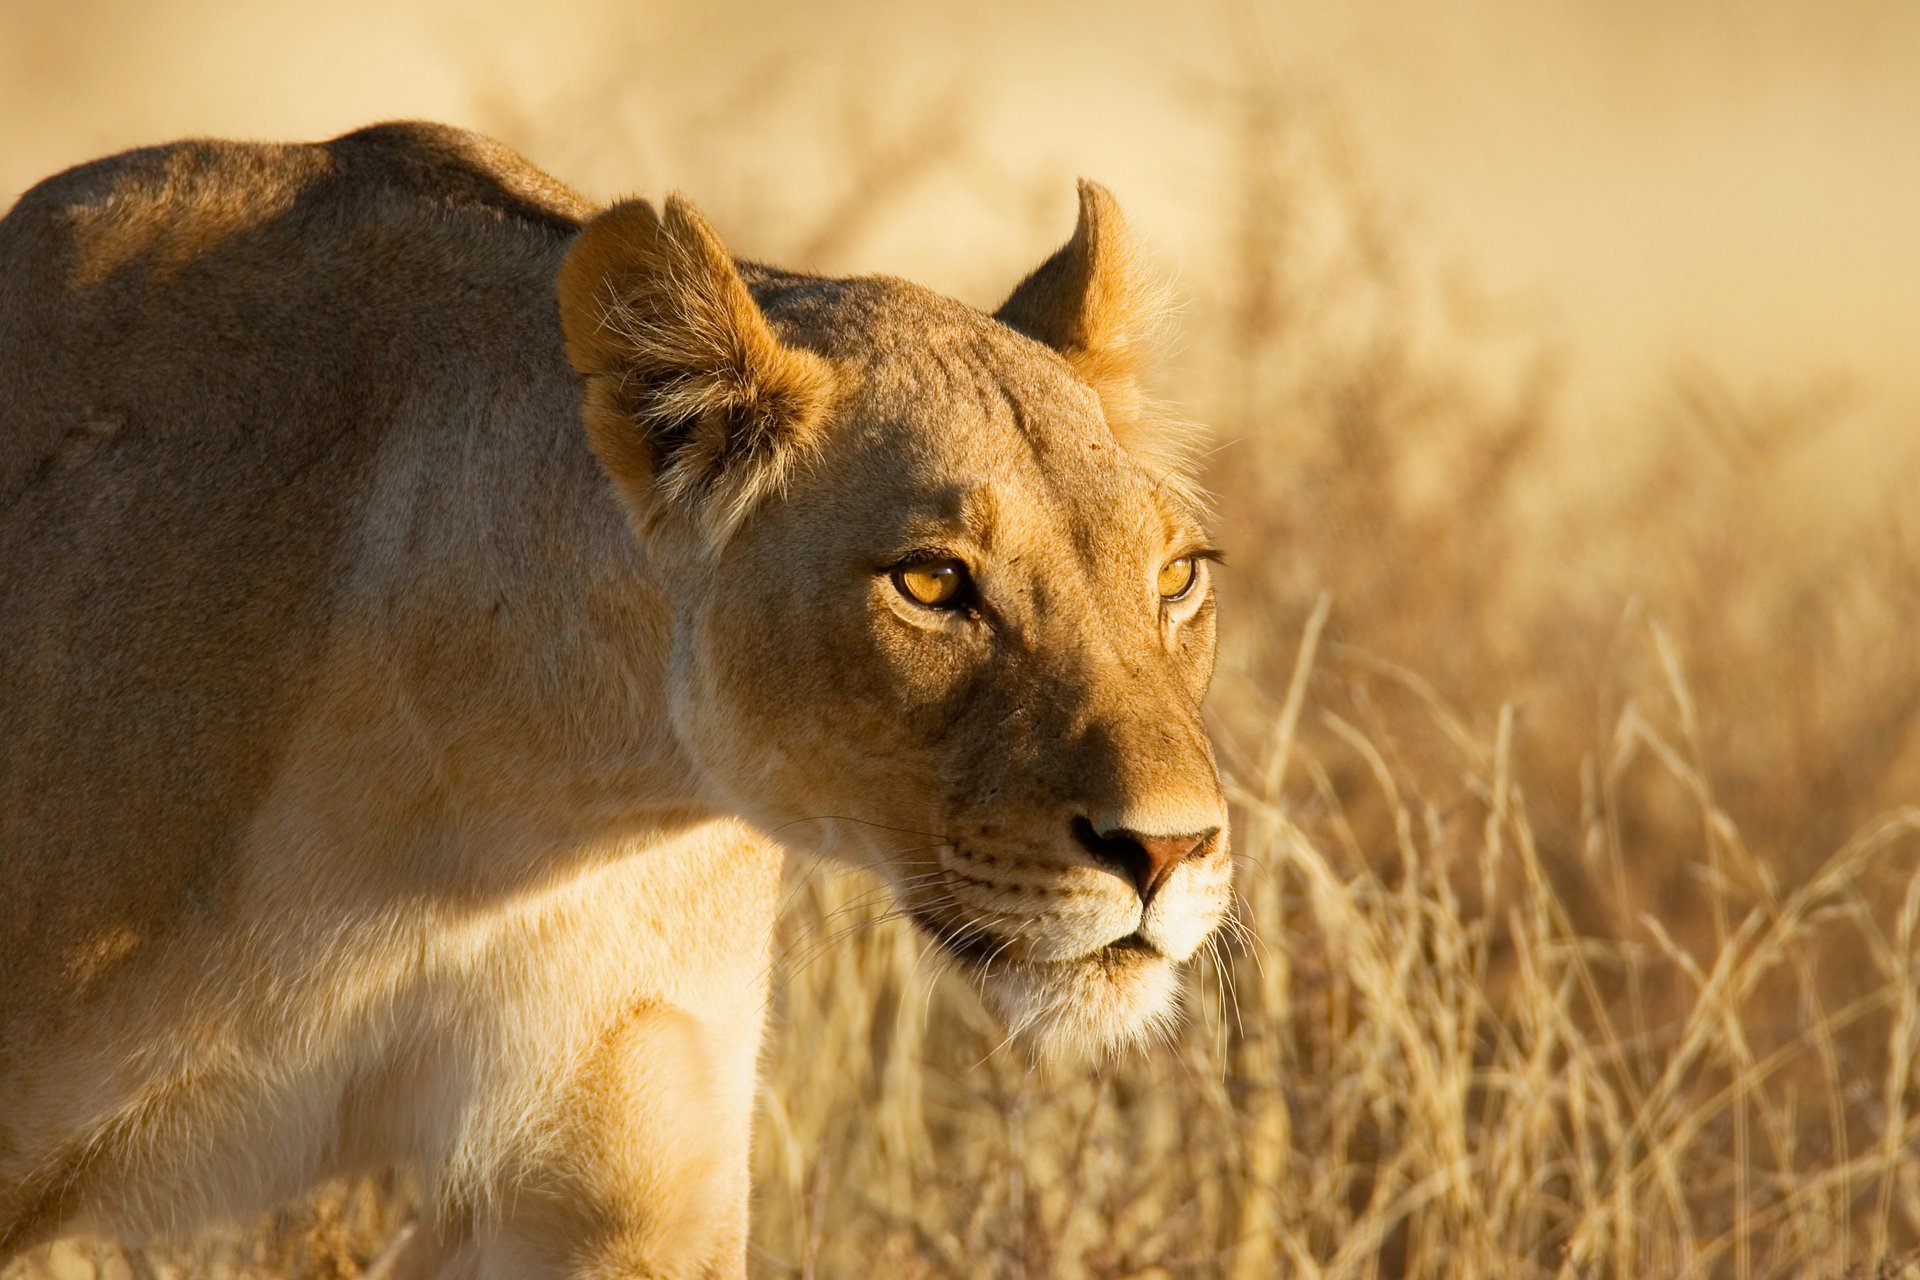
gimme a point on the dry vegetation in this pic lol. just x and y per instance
(1577, 831)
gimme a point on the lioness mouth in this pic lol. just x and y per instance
(980, 950)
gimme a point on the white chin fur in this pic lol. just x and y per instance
(1084, 1010)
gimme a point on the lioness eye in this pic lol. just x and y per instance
(937, 584)
(1176, 578)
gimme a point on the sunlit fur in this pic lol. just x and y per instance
(429, 598)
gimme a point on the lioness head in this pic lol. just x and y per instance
(942, 603)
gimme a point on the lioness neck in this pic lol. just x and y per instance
(520, 633)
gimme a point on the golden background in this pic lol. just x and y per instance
(1563, 367)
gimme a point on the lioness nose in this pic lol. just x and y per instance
(1145, 859)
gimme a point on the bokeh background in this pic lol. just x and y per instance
(1562, 367)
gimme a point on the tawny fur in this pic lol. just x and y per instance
(426, 597)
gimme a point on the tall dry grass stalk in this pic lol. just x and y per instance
(1579, 931)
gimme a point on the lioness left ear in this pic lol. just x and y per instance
(1093, 302)
(691, 399)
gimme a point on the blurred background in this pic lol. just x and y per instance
(1730, 182)
(1562, 366)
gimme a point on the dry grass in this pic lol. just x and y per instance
(1575, 824)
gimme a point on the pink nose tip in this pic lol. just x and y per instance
(1164, 853)
(1144, 859)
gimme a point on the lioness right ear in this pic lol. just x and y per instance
(1092, 301)
(690, 397)
(1095, 304)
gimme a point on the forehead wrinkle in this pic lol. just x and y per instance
(980, 512)
(1060, 477)
(1056, 487)
(967, 510)
(992, 389)
(979, 457)
(1075, 491)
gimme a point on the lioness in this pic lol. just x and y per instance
(425, 598)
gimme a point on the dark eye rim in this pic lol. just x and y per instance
(962, 599)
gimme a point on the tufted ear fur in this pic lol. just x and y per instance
(691, 400)
(1095, 304)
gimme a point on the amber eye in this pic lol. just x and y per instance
(1176, 577)
(937, 584)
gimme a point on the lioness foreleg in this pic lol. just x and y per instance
(641, 1170)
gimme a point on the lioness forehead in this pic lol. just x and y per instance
(984, 426)
(909, 343)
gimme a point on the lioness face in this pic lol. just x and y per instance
(968, 649)
(963, 641)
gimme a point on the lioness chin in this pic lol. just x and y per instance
(425, 598)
